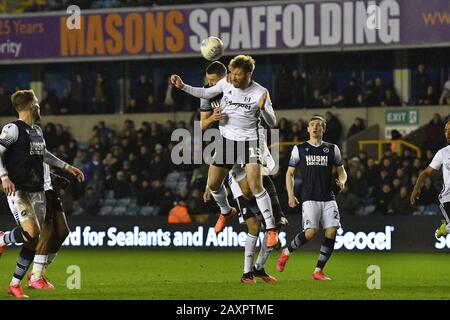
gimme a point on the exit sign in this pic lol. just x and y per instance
(402, 116)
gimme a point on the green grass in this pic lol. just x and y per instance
(149, 274)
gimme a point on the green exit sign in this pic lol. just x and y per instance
(402, 116)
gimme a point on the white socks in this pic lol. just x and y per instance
(221, 199)
(250, 244)
(265, 207)
(40, 262)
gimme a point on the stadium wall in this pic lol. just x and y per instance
(80, 125)
(370, 233)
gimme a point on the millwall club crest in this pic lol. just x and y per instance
(326, 150)
(307, 149)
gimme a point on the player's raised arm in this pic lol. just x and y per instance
(265, 105)
(198, 92)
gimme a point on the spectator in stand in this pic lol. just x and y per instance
(299, 131)
(444, 100)
(102, 94)
(430, 97)
(144, 194)
(356, 127)
(390, 99)
(372, 170)
(62, 136)
(144, 89)
(282, 89)
(50, 136)
(133, 107)
(383, 199)
(90, 202)
(92, 166)
(378, 93)
(179, 213)
(433, 131)
(134, 185)
(350, 94)
(360, 101)
(297, 89)
(66, 106)
(151, 105)
(428, 194)
(79, 92)
(333, 132)
(48, 103)
(347, 202)
(400, 174)
(97, 183)
(422, 81)
(447, 83)
(284, 129)
(195, 203)
(317, 101)
(400, 204)
(6, 108)
(121, 186)
(359, 185)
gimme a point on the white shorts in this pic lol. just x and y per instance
(25, 205)
(324, 212)
(268, 166)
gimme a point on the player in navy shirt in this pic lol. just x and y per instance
(315, 158)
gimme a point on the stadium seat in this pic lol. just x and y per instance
(110, 194)
(146, 211)
(109, 202)
(124, 202)
(105, 211)
(119, 211)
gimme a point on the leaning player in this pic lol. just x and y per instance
(243, 102)
(440, 160)
(210, 114)
(315, 158)
(22, 155)
(54, 230)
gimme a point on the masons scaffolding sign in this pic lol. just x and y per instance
(256, 28)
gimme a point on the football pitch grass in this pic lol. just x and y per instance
(204, 275)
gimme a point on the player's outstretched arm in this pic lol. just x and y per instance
(52, 160)
(198, 92)
(420, 180)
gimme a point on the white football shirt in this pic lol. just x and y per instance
(240, 106)
(442, 159)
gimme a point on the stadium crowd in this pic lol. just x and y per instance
(132, 166)
(293, 88)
